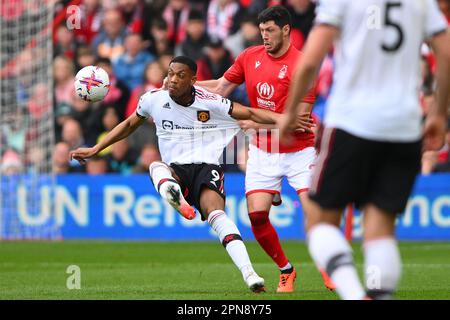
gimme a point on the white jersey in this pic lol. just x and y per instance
(194, 134)
(376, 83)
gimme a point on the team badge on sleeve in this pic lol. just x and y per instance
(203, 116)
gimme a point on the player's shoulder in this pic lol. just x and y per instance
(255, 50)
(206, 96)
(154, 94)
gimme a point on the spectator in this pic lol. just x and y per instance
(248, 35)
(109, 120)
(91, 14)
(97, 165)
(196, 37)
(63, 73)
(84, 57)
(159, 42)
(220, 18)
(153, 78)
(121, 159)
(118, 94)
(149, 154)
(132, 12)
(214, 62)
(303, 15)
(129, 66)
(11, 163)
(36, 156)
(61, 161)
(176, 15)
(72, 134)
(87, 115)
(110, 42)
(66, 44)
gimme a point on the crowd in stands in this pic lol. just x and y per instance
(134, 41)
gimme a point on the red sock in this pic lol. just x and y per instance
(267, 237)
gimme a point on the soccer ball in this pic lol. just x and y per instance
(92, 83)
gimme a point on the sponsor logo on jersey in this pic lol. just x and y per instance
(265, 90)
(167, 106)
(167, 125)
(203, 115)
(257, 64)
(283, 71)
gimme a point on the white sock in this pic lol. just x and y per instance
(160, 171)
(331, 251)
(382, 267)
(286, 267)
(224, 227)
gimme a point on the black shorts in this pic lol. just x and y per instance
(354, 170)
(195, 177)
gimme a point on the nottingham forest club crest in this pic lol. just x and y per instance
(203, 116)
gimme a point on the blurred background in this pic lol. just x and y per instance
(43, 45)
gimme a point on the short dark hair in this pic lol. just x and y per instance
(103, 61)
(186, 61)
(278, 14)
(195, 15)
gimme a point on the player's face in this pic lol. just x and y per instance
(273, 36)
(181, 79)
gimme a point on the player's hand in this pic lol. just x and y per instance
(303, 123)
(81, 154)
(247, 124)
(434, 132)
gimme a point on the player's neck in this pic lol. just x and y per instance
(284, 48)
(187, 99)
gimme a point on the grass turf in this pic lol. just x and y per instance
(189, 271)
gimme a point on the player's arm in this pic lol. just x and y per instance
(240, 112)
(318, 45)
(121, 131)
(305, 108)
(436, 122)
(219, 86)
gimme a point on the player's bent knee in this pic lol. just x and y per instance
(258, 218)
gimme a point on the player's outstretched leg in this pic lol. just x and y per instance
(268, 239)
(231, 239)
(169, 189)
(331, 251)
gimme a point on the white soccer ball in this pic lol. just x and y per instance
(92, 83)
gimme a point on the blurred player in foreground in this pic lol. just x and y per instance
(267, 71)
(193, 127)
(371, 146)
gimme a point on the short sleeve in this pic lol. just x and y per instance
(236, 73)
(223, 106)
(143, 109)
(435, 22)
(330, 12)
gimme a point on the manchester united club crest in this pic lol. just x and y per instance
(203, 116)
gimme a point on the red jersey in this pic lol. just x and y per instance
(267, 80)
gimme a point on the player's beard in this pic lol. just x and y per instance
(275, 47)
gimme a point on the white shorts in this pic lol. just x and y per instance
(265, 171)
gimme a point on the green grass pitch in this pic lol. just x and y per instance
(189, 271)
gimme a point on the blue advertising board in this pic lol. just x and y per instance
(128, 208)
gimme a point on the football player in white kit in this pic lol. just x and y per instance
(370, 150)
(193, 127)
